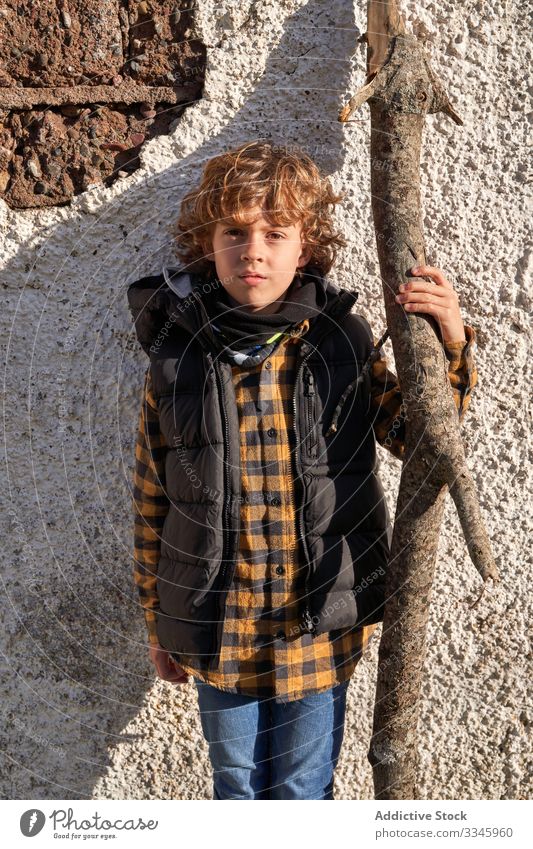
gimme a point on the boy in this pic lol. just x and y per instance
(262, 535)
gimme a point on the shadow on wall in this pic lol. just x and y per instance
(76, 671)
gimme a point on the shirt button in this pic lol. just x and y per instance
(271, 431)
(268, 364)
(280, 570)
(281, 635)
(276, 501)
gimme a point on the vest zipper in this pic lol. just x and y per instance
(306, 615)
(307, 621)
(309, 394)
(225, 518)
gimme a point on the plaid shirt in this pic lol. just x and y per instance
(263, 653)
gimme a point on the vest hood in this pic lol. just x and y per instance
(173, 297)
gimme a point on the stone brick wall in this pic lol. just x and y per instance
(83, 84)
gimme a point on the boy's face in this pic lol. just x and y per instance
(260, 248)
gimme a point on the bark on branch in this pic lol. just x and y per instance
(401, 89)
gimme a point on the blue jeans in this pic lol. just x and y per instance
(262, 749)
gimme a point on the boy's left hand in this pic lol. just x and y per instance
(438, 298)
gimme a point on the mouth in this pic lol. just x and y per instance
(251, 278)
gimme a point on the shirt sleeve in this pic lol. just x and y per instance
(388, 418)
(151, 505)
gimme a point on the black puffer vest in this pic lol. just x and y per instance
(343, 522)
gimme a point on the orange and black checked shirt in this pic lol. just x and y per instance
(263, 652)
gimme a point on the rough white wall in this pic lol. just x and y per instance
(83, 715)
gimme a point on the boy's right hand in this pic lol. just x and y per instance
(166, 666)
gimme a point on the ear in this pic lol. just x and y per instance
(305, 256)
(207, 249)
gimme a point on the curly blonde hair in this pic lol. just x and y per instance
(287, 185)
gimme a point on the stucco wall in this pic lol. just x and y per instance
(83, 715)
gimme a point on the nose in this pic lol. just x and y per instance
(252, 249)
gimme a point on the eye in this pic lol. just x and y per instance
(231, 230)
(281, 236)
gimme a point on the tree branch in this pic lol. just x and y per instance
(401, 89)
